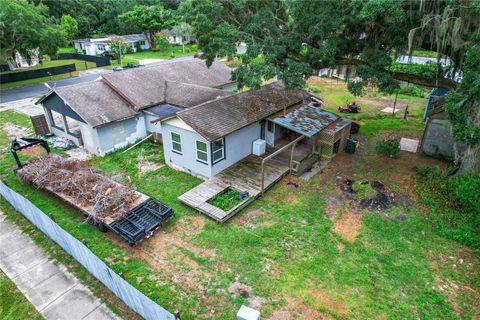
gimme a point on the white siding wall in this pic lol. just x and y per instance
(90, 138)
(152, 127)
(187, 161)
(238, 145)
(119, 134)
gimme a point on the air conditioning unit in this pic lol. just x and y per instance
(259, 147)
(246, 313)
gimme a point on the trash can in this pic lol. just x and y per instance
(351, 146)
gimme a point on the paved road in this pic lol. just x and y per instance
(34, 90)
(55, 292)
(9, 95)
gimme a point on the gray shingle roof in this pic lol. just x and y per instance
(95, 102)
(145, 87)
(215, 119)
(189, 95)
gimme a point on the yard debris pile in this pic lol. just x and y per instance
(100, 196)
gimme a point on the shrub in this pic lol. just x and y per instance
(466, 190)
(129, 50)
(453, 203)
(389, 147)
(414, 91)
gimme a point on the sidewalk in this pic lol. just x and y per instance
(52, 289)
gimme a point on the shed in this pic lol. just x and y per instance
(434, 95)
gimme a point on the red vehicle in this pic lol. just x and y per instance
(352, 107)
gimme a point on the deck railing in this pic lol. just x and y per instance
(270, 156)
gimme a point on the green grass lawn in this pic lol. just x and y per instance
(79, 65)
(282, 248)
(67, 50)
(171, 52)
(335, 94)
(13, 304)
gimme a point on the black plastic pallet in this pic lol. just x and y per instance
(142, 220)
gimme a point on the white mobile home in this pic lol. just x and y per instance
(96, 46)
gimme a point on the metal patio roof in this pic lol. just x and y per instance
(307, 120)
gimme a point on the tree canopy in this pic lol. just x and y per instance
(149, 19)
(100, 17)
(69, 26)
(25, 28)
(290, 39)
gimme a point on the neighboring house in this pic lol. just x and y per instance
(11, 64)
(208, 138)
(340, 71)
(98, 46)
(118, 109)
(406, 59)
(175, 38)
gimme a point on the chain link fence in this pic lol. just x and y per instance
(133, 298)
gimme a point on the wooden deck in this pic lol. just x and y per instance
(242, 176)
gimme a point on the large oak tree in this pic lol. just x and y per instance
(290, 39)
(25, 28)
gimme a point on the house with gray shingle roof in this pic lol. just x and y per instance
(94, 46)
(121, 108)
(212, 136)
(204, 127)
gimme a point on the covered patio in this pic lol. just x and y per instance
(305, 135)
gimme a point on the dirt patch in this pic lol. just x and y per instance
(383, 200)
(249, 219)
(296, 309)
(349, 225)
(291, 198)
(270, 266)
(292, 182)
(334, 204)
(245, 291)
(327, 302)
(368, 195)
(79, 154)
(147, 166)
(14, 131)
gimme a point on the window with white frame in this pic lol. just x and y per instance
(142, 42)
(176, 142)
(101, 47)
(202, 154)
(218, 150)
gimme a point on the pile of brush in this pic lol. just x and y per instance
(104, 197)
